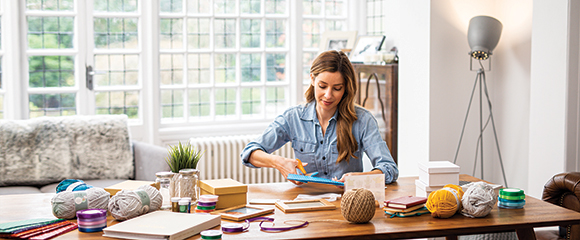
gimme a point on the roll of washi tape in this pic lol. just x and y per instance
(235, 227)
(511, 192)
(208, 198)
(211, 234)
(203, 211)
(506, 197)
(205, 208)
(508, 207)
(510, 203)
(91, 220)
(206, 204)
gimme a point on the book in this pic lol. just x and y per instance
(405, 202)
(417, 212)
(409, 209)
(162, 225)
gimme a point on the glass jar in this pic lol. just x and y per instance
(163, 182)
(189, 184)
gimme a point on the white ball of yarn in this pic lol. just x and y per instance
(478, 200)
(127, 204)
(63, 203)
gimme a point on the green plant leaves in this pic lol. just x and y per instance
(182, 156)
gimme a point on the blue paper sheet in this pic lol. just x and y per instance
(306, 179)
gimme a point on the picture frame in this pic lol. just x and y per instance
(304, 205)
(242, 212)
(365, 46)
(337, 40)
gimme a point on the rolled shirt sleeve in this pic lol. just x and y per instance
(273, 138)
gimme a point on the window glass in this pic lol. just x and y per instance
(116, 33)
(50, 5)
(51, 71)
(116, 6)
(50, 32)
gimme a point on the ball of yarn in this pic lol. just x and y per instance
(478, 200)
(445, 202)
(128, 204)
(72, 185)
(66, 204)
(358, 205)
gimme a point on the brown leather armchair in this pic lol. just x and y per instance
(564, 190)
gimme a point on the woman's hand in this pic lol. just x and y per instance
(287, 166)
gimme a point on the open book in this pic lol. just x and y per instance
(162, 225)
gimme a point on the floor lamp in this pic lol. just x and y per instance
(483, 35)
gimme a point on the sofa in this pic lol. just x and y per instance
(36, 154)
(563, 189)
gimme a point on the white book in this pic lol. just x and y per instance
(162, 225)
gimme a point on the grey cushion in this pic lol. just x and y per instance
(51, 188)
(149, 159)
(18, 190)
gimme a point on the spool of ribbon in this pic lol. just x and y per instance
(238, 227)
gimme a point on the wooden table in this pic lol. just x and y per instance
(536, 213)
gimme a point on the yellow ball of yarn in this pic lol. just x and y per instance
(358, 205)
(445, 202)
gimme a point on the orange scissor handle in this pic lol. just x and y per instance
(300, 166)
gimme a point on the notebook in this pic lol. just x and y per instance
(405, 202)
(162, 225)
(306, 179)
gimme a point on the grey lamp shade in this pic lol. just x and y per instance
(483, 35)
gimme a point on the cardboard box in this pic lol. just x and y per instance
(128, 185)
(439, 173)
(231, 192)
(422, 190)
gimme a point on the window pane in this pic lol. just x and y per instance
(311, 7)
(118, 102)
(275, 100)
(116, 6)
(275, 6)
(50, 32)
(225, 6)
(116, 70)
(172, 6)
(251, 101)
(311, 33)
(225, 68)
(116, 33)
(250, 6)
(52, 104)
(307, 59)
(199, 102)
(251, 67)
(275, 33)
(50, 5)
(51, 71)
(198, 33)
(198, 6)
(335, 25)
(198, 68)
(225, 33)
(172, 104)
(276, 67)
(171, 69)
(334, 7)
(225, 101)
(250, 33)
(171, 30)
(375, 17)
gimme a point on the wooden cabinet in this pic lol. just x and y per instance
(388, 82)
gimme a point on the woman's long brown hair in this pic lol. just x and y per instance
(337, 61)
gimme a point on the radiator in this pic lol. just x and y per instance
(221, 159)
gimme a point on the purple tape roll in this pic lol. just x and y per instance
(206, 204)
(238, 227)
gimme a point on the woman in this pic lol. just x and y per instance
(329, 132)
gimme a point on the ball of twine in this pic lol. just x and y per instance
(445, 202)
(358, 205)
(128, 204)
(478, 200)
(66, 204)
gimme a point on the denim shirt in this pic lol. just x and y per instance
(300, 125)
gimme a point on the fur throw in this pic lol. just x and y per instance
(45, 150)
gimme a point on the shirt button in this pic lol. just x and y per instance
(320, 142)
(323, 158)
(325, 173)
(301, 150)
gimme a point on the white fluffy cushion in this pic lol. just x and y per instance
(44, 150)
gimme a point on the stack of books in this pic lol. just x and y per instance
(38, 229)
(405, 206)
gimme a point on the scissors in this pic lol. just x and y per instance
(303, 171)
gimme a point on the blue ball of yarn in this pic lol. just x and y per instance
(72, 185)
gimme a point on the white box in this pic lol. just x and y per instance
(422, 190)
(439, 173)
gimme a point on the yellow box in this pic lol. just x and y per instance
(128, 185)
(231, 192)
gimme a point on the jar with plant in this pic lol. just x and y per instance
(184, 157)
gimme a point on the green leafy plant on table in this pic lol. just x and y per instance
(181, 156)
